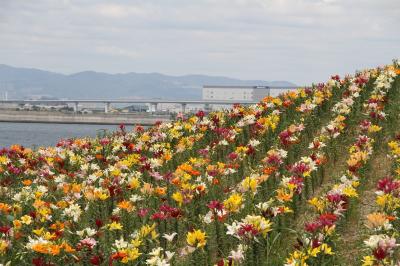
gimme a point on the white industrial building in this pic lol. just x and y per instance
(235, 93)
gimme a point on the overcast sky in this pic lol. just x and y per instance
(302, 41)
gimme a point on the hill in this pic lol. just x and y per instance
(22, 82)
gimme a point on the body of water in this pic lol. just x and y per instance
(41, 134)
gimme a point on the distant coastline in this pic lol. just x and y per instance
(66, 118)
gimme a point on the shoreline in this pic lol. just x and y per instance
(89, 119)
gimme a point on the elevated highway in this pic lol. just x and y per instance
(107, 103)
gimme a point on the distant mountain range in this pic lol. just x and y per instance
(27, 82)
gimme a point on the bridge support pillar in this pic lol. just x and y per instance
(107, 106)
(153, 107)
(183, 107)
(207, 107)
(76, 107)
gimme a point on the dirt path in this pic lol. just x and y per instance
(332, 172)
(353, 230)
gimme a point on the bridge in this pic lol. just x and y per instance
(152, 102)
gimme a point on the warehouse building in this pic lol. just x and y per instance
(235, 93)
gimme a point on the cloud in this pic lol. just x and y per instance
(116, 51)
(118, 11)
(296, 40)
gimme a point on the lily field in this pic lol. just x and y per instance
(311, 177)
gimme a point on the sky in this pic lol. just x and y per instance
(301, 41)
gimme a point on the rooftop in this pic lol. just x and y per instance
(234, 87)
